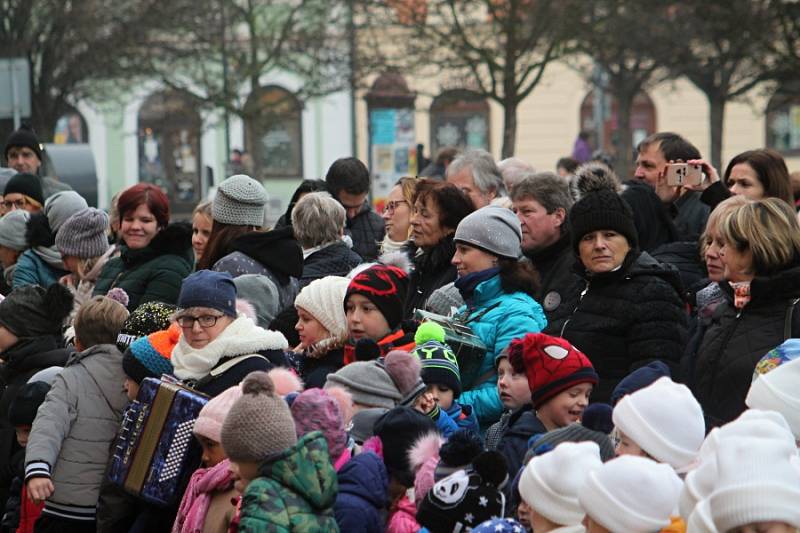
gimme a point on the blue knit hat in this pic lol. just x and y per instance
(206, 288)
(499, 525)
(639, 379)
(439, 365)
(150, 357)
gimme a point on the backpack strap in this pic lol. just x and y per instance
(788, 320)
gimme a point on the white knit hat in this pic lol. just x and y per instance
(631, 494)
(240, 201)
(778, 390)
(550, 482)
(700, 520)
(758, 481)
(665, 420)
(324, 299)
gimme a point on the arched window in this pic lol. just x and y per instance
(783, 122)
(169, 148)
(459, 118)
(71, 128)
(273, 133)
(643, 120)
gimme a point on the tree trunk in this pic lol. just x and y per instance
(716, 118)
(625, 140)
(509, 128)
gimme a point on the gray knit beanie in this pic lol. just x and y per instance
(83, 235)
(62, 205)
(240, 201)
(368, 383)
(12, 229)
(443, 300)
(259, 424)
(493, 229)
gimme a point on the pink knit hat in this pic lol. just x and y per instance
(212, 415)
(316, 410)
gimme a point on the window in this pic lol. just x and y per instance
(783, 122)
(273, 133)
(459, 118)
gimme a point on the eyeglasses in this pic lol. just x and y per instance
(390, 207)
(206, 321)
(15, 204)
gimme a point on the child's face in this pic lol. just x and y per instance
(364, 319)
(442, 394)
(766, 527)
(213, 453)
(626, 446)
(309, 329)
(565, 408)
(513, 388)
(131, 388)
(7, 339)
(23, 432)
(524, 513)
(243, 473)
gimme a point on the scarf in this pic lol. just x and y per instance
(241, 337)
(741, 293)
(197, 498)
(466, 284)
(51, 256)
(388, 245)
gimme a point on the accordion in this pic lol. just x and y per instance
(468, 347)
(155, 451)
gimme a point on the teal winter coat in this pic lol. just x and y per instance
(31, 269)
(497, 317)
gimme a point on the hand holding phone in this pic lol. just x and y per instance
(684, 174)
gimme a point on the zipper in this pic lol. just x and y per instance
(580, 298)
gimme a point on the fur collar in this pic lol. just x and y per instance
(241, 337)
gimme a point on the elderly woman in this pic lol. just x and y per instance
(397, 215)
(760, 252)
(318, 222)
(218, 347)
(498, 290)
(155, 255)
(438, 209)
(630, 310)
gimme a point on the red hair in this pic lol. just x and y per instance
(148, 194)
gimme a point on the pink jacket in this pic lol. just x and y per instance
(403, 518)
(197, 498)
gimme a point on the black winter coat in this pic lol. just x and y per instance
(626, 319)
(736, 340)
(334, 260)
(559, 285)
(367, 230)
(432, 270)
(522, 425)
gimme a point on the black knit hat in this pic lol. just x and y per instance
(23, 407)
(602, 210)
(386, 287)
(146, 319)
(32, 311)
(398, 430)
(439, 366)
(24, 136)
(27, 184)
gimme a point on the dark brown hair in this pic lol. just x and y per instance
(771, 170)
(452, 203)
(219, 243)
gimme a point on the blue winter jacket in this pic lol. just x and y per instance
(497, 318)
(31, 269)
(363, 494)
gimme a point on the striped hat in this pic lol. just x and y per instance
(439, 365)
(149, 357)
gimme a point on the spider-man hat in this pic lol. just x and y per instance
(551, 364)
(386, 287)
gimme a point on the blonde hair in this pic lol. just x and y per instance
(203, 208)
(408, 187)
(768, 228)
(722, 209)
(99, 321)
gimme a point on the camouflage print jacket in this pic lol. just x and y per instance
(295, 493)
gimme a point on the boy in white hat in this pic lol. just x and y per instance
(550, 482)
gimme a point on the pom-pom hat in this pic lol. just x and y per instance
(383, 285)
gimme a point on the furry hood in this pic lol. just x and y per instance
(175, 238)
(38, 232)
(591, 177)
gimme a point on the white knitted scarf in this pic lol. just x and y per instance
(241, 337)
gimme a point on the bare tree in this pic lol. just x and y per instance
(500, 48)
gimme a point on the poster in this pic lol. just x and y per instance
(392, 149)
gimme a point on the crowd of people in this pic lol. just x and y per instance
(499, 349)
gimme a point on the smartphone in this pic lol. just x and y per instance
(680, 174)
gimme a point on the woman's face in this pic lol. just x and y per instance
(603, 250)
(201, 229)
(426, 231)
(138, 227)
(71, 263)
(738, 264)
(744, 180)
(197, 335)
(714, 265)
(309, 329)
(397, 215)
(469, 259)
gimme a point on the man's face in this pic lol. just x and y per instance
(651, 166)
(540, 229)
(23, 159)
(352, 203)
(464, 181)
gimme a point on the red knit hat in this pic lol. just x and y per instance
(551, 364)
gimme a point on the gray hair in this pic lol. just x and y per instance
(514, 170)
(317, 219)
(485, 173)
(547, 188)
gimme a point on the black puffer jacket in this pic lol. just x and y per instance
(626, 319)
(735, 341)
(559, 285)
(432, 269)
(336, 259)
